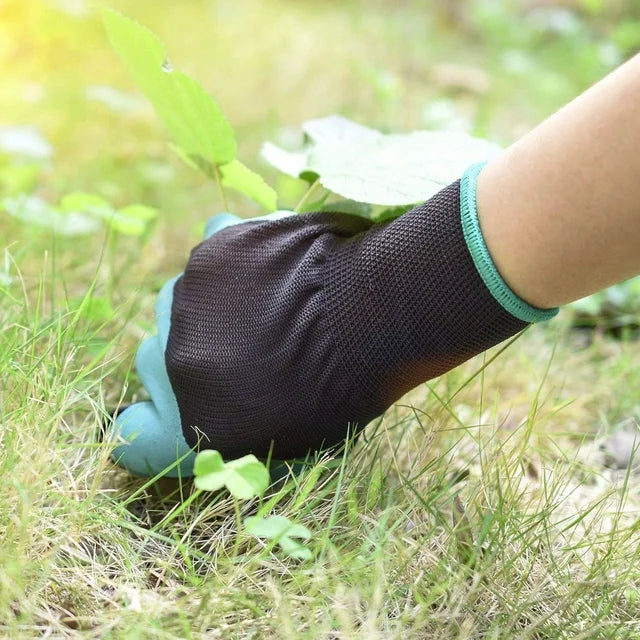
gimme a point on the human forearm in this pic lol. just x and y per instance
(560, 209)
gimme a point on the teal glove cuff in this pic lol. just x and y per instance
(487, 269)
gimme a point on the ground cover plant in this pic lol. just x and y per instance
(498, 501)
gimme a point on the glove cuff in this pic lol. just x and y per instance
(487, 269)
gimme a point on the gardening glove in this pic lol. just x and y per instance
(288, 335)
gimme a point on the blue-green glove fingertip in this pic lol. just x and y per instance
(223, 220)
(220, 221)
(150, 449)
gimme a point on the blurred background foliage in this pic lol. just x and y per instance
(491, 68)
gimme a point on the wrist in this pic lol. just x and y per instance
(482, 258)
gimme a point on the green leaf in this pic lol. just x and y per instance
(396, 169)
(594, 7)
(134, 219)
(327, 130)
(139, 212)
(299, 531)
(293, 163)
(209, 470)
(319, 205)
(272, 527)
(627, 35)
(336, 128)
(391, 213)
(208, 461)
(18, 178)
(127, 226)
(80, 213)
(236, 176)
(86, 202)
(242, 179)
(282, 531)
(94, 309)
(194, 121)
(140, 49)
(248, 477)
(294, 549)
(348, 206)
(365, 165)
(245, 477)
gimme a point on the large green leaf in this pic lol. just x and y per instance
(293, 163)
(236, 176)
(194, 121)
(336, 128)
(365, 165)
(329, 130)
(395, 169)
(241, 178)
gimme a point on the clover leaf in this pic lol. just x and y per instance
(283, 532)
(245, 477)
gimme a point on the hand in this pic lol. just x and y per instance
(284, 336)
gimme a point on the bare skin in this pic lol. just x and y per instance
(560, 208)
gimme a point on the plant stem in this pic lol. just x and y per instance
(236, 543)
(223, 195)
(111, 263)
(176, 512)
(305, 198)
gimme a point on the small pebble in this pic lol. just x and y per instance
(622, 449)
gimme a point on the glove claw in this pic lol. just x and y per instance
(151, 447)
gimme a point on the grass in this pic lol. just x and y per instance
(480, 506)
